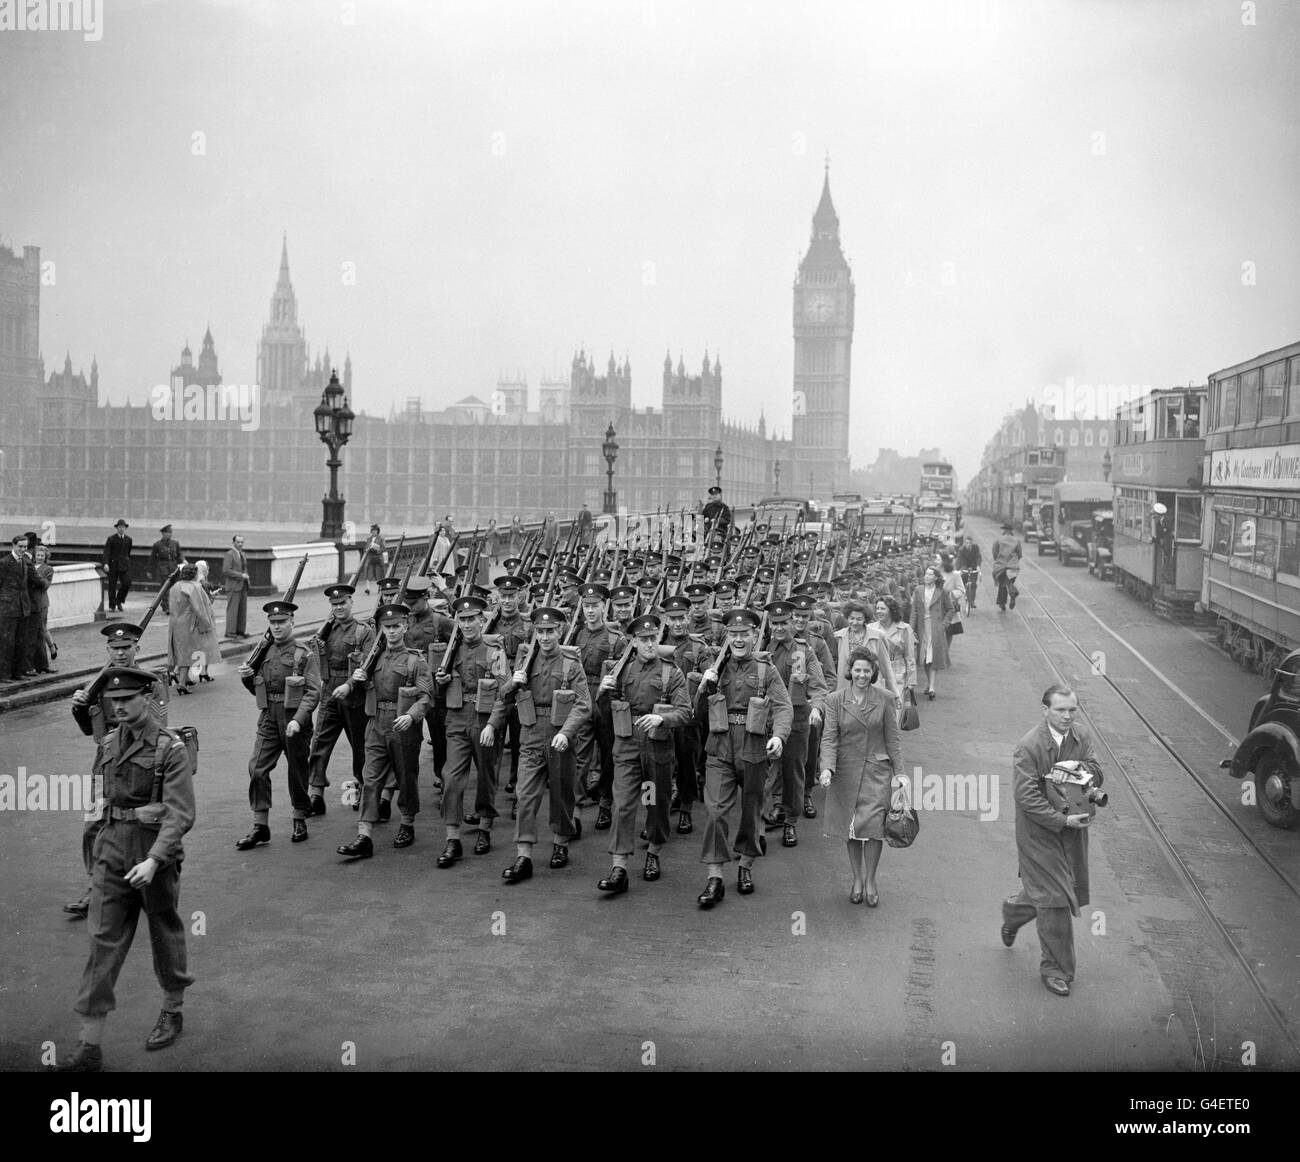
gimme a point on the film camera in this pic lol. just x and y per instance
(1079, 790)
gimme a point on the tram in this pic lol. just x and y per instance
(937, 481)
(1251, 526)
(1158, 447)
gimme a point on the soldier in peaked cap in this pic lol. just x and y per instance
(427, 626)
(693, 654)
(552, 701)
(148, 783)
(569, 583)
(647, 700)
(287, 688)
(698, 594)
(467, 685)
(340, 645)
(398, 696)
(801, 671)
(748, 711)
(622, 604)
(598, 643)
(122, 643)
(514, 630)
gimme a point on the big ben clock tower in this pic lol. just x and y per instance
(823, 339)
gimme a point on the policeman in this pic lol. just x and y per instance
(749, 719)
(122, 645)
(552, 700)
(468, 684)
(514, 630)
(340, 645)
(692, 655)
(398, 696)
(148, 807)
(287, 688)
(805, 680)
(647, 700)
(598, 642)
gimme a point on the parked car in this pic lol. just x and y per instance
(1073, 545)
(1101, 546)
(1030, 533)
(1270, 752)
(1046, 530)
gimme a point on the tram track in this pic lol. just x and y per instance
(1168, 845)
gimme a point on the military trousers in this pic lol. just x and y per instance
(687, 754)
(268, 744)
(542, 768)
(390, 755)
(336, 717)
(728, 779)
(638, 761)
(115, 912)
(786, 776)
(594, 750)
(464, 726)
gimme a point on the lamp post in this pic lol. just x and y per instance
(776, 477)
(334, 427)
(717, 466)
(609, 449)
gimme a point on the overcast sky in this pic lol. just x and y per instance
(1026, 192)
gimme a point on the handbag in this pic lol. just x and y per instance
(901, 823)
(911, 716)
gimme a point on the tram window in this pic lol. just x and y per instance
(1271, 399)
(1288, 560)
(1293, 408)
(1188, 519)
(1192, 420)
(1268, 539)
(1227, 403)
(1248, 402)
(1222, 532)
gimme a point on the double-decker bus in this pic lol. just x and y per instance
(937, 481)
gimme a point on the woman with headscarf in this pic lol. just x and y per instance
(192, 637)
(861, 756)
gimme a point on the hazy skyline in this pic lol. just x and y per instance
(1026, 192)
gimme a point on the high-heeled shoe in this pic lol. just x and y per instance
(930, 695)
(182, 689)
(855, 896)
(204, 678)
(873, 899)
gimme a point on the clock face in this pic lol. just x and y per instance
(819, 308)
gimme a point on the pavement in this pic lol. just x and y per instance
(304, 962)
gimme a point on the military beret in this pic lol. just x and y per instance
(644, 626)
(698, 589)
(469, 605)
(623, 593)
(332, 591)
(779, 611)
(742, 619)
(279, 608)
(547, 615)
(120, 631)
(675, 604)
(593, 590)
(124, 681)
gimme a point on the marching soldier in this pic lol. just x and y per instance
(340, 646)
(555, 689)
(622, 604)
(692, 655)
(749, 719)
(647, 700)
(287, 689)
(148, 784)
(122, 645)
(428, 626)
(805, 680)
(468, 686)
(803, 628)
(597, 642)
(699, 621)
(514, 630)
(398, 696)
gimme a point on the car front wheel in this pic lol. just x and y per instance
(1274, 775)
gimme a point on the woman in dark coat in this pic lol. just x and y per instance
(860, 756)
(932, 609)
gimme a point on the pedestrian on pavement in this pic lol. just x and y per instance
(148, 783)
(376, 554)
(96, 720)
(192, 634)
(117, 561)
(1007, 552)
(517, 536)
(287, 688)
(15, 610)
(550, 534)
(39, 643)
(235, 580)
(861, 758)
(165, 555)
(585, 527)
(932, 609)
(1052, 846)
(492, 543)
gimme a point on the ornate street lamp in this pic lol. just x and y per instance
(334, 427)
(717, 466)
(609, 449)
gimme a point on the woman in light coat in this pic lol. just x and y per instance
(932, 607)
(192, 637)
(859, 634)
(861, 755)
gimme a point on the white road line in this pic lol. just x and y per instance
(1227, 734)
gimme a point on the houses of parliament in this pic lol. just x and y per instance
(65, 455)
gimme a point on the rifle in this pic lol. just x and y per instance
(322, 635)
(96, 687)
(392, 561)
(724, 655)
(263, 647)
(453, 642)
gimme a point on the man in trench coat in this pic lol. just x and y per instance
(1052, 846)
